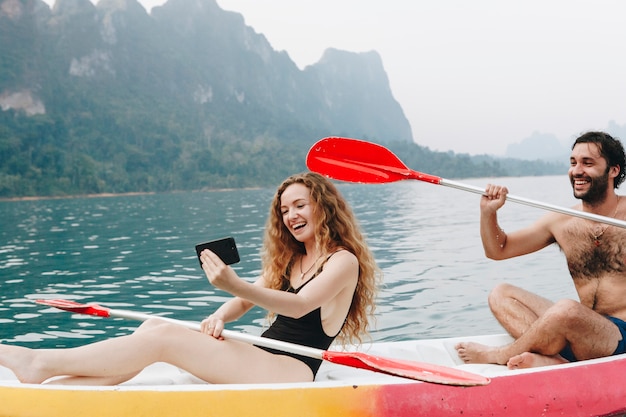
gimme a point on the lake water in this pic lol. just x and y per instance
(137, 253)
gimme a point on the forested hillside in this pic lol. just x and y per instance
(111, 99)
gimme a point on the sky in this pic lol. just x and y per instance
(471, 76)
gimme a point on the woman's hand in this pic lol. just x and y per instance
(212, 326)
(219, 274)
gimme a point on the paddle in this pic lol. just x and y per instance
(355, 160)
(406, 369)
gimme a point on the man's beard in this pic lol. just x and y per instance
(597, 191)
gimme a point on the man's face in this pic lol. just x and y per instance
(589, 173)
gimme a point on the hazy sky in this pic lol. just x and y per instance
(471, 76)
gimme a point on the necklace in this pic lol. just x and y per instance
(302, 274)
(597, 236)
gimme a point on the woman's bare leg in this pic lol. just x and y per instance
(117, 359)
(90, 380)
(103, 381)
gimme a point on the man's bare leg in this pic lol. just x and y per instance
(516, 309)
(590, 335)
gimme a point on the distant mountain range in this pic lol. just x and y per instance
(188, 53)
(547, 147)
(108, 98)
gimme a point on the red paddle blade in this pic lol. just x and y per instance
(420, 371)
(74, 307)
(355, 160)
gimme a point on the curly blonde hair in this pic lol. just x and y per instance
(335, 228)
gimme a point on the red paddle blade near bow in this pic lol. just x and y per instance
(421, 371)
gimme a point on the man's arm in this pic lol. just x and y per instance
(500, 245)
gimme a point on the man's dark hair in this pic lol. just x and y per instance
(611, 150)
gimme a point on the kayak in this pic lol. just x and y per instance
(587, 388)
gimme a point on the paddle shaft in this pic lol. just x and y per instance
(538, 204)
(227, 334)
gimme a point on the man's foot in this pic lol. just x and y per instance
(533, 360)
(471, 352)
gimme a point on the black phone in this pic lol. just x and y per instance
(225, 248)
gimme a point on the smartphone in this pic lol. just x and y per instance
(225, 248)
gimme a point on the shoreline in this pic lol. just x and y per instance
(109, 195)
(61, 197)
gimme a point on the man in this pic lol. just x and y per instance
(546, 332)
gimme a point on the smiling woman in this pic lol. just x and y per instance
(316, 227)
(308, 217)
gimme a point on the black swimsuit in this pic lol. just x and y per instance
(306, 331)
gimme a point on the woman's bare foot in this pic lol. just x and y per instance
(471, 352)
(20, 360)
(533, 360)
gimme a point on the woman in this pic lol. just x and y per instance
(319, 278)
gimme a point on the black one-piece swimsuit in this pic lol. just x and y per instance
(306, 331)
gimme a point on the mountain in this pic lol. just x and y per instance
(189, 57)
(547, 147)
(541, 146)
(617, 131)
(108, 98)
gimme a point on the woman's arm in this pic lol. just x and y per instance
(231, 310)
(340, 272)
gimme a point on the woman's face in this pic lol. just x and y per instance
(297, 211)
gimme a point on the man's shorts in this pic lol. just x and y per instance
(567, 353)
